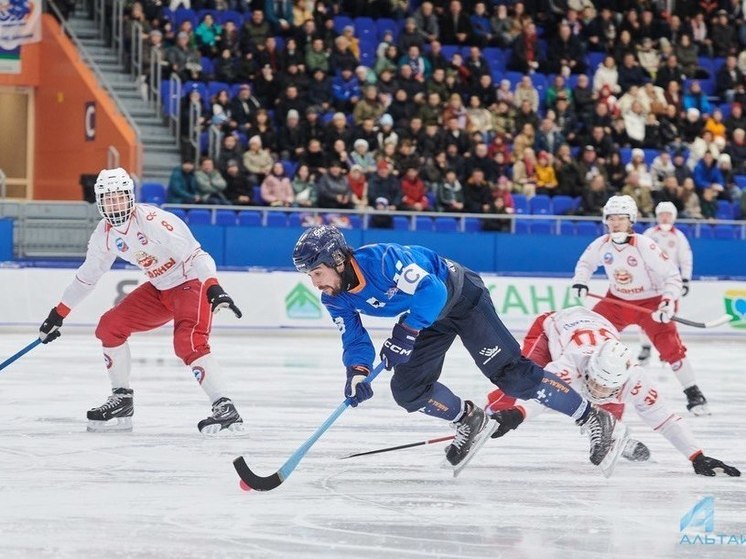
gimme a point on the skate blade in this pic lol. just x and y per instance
(216, 430)
(629, 452)
(115, 424)
(484, 436)
(619, 442)
(700, 410)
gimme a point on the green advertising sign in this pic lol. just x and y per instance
(302, 303)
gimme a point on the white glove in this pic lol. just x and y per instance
(665, 311)
(581, 291)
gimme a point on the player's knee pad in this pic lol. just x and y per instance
(409, 397)
(110, 331)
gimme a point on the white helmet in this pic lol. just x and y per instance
(666, 208)
(115, 195)
(607, 370)
(620, 205)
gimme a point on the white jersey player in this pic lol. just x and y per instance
(640, 272)
(676, 246)
(182, 286)
(583, 349)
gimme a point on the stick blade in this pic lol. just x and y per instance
(255, 482)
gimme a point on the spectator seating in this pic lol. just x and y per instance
(587, 228)
(562, 204)
(725, 231)
(225, 217)
(423, 223)
(277, 219)
(543, 227)
(249, 219)
(446, 224)
(199, 217)
(541, 204)
(520, 202)
(152, 193)
(724, 210)
(401, 223)
(472, 225)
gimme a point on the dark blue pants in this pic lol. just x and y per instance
(494, 349)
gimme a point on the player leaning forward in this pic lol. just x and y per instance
(640, 272)
(583, 349)
(181, 285)
(441, 300)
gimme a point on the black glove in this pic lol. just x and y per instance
(50, 328)
(356, 389)
(685, 288)
(581, 290)
(705, 466)
(219, 300)
(508, 419)
(398, 348)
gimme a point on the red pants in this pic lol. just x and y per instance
(146, 308)
(665, 337)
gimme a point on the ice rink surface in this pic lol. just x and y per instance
(165, 491)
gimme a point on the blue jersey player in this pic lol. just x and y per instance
(438, 300)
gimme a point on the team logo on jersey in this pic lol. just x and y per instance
(391, 292)
(608, 258)
(121, 245)
(145, 260)
(489, 353)
(622, 276)
(631, 260)
(107, 361)
(375, 303)
(199, 374)
(142, 238)
(150, 216)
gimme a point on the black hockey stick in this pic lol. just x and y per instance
(273, 481)
(725, 319)
(400, 447)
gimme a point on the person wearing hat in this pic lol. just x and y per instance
(237, 186)
(291, 138)
(319, 92)
(723, 35)
(333, 190)
(362, 157)
(184, 59)
(242, 109)
(383, 184)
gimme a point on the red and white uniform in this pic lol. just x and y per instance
(178, 272)
(568, 338)
(641, 272)
(676, 246)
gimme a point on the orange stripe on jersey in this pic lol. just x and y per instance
(673, 417)
(359, 275)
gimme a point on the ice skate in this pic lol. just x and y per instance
(115, 414)
(636, 451)
(471, 433)
(696, 402)
(602, 432)
(644, 355)
(224, 418)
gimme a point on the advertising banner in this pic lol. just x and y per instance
(289, 300)
(20, 23)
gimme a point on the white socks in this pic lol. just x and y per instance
(118, 365)
(684, 373)
(207, 372)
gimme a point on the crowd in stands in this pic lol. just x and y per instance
(457, 105)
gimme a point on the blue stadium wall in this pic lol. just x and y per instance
(271, 247)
